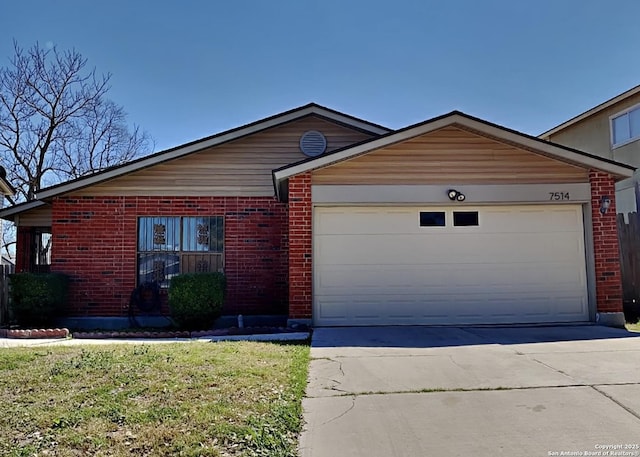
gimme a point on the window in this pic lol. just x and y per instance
(168, 246)
(37, 253)
(432, 219)
(625, 126)
(42, 247)
(465, 218)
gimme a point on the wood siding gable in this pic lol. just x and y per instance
(450, 155)
(238, 168)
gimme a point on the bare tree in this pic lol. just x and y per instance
(56, 122)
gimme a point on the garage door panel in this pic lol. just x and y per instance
(531, 219)
(570, 305)
(378, 249)
(446, 312)
(331, 309)
(377, 277)
(358, 221)
(345, 221)
(447, 248)
(520, 264)
(428, 279)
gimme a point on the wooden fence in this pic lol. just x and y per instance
(629, 236)
(5, 271)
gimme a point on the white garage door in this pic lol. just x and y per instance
(398, 265)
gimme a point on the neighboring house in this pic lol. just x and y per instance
(334, 220)
(6, 188)
(610, 130)
(7, 191)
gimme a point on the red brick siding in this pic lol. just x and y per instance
(94, 241)
(300, 247)
(605, 243)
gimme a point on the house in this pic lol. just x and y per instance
(610, 130)
(7, 191)
(334, 220)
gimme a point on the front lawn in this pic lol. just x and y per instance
(179, 399)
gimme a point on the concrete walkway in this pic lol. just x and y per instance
(420, 391)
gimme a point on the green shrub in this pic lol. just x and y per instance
(196, 299)
(37, 297)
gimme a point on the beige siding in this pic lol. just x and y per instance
(38, 217)
(629, 153)
(450, 156)
(238, 168)
(593, 135)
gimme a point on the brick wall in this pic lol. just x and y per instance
(300, 247)
(94, 241)
(605, 243)
(268, 271)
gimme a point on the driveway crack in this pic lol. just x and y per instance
(335, 388)
(334, 382)
(455, 363)
(552, 368)
(353, 404)
(626, 408)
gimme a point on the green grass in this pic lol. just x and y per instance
(183, 399)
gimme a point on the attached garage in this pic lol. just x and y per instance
(449, 265)
(454, 221)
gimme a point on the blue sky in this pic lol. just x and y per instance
(185, 70)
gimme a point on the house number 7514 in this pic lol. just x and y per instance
(558, 196)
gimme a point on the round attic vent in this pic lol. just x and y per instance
(313, 143)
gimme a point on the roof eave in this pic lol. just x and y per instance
(596, 109)
(9, 213)
(6, 188)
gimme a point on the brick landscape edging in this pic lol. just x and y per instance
(64, 333)
(35, 333)
(182, 334)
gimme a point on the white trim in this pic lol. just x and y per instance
(219, 139)
(476, 194)
(611, 133)
(545, 148)
(619, 145)
(591, 112)
(590, 259)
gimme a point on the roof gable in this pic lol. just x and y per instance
(499, 133)
(450, 155)
(221, 138)
(240, 168)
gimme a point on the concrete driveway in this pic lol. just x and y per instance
(513, 391)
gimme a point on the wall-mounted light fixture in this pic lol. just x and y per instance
(605, 203)
(456, 195)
